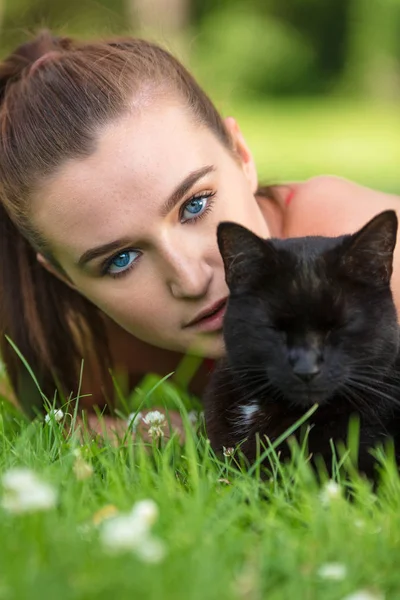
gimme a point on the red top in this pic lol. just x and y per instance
(289, 197)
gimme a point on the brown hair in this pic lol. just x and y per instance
(54, 95)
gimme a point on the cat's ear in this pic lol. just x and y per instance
(369, 255)
(245, 255)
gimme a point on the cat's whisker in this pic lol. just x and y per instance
(363, 386)
(245, 370)
(250, 390)
(376, 384)
(359, 402)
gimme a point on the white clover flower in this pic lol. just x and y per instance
(24, 491)
(330, 492)
(365, 595)
(332, 571)
(145, 510)
(133, 420)
(193, 417)
(151, 550)
(55, 414)
(82, 469)
(154, 417)
(18, 479)
(131, 533)
(228, 451)
(155, 420)
(123, 533)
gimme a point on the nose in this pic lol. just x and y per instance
(305, 363)
(187, 273)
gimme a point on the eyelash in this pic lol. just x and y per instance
(207, 195)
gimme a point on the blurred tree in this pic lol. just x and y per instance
(259, 47)
(373, 66)
(251, 54)
(169, 16)
(167, 21)
(325, 25)
(22, 18)
(319, 27)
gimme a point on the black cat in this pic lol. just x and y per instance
(309, 321)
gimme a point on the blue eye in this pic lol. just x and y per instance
(121, 262)
(194, 207)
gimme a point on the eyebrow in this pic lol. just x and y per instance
(184, 187)
(93, 253)
(168, 205)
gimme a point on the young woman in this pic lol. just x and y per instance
(115, 169)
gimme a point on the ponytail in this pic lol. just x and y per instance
(46, 320)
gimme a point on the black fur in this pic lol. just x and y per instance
(309, 320)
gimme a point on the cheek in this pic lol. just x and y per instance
(141, 314)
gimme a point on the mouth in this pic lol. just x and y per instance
(209, 319)
(309, 397)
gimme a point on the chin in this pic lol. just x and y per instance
(307, 398)
(209, 347)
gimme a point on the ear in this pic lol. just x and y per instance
(243, 152)
(369, 255)
(46, 264)
(246, 256)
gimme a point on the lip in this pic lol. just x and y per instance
(211, 318)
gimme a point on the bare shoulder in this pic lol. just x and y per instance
(328, 205)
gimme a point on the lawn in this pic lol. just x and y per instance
(208, 530)
(296, 140)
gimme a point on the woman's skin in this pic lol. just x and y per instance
(118, 196)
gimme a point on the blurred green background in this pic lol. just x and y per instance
(314, 84)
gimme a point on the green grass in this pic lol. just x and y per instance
(297, 139)
(228, 534)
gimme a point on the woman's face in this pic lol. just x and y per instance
(134, 225)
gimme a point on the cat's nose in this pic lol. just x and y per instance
(305, 363)
(307, 375)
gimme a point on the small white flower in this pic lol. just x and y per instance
(154, 417)
(228, 451)
(193, 417)
(131, 533)
(133, 420)
(123, 533)
(57, 415)
(145, 510)
(155, 420)
(332, 571)
(19, 479)
(330, 492)
(151, 550)
(25, 492)
(365, 595)
(82, 469)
